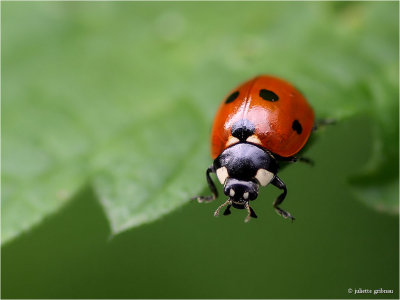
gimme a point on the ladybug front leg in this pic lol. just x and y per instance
(281, 185)
(211, 186)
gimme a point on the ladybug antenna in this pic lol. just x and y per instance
(227, 211)
(251, 213)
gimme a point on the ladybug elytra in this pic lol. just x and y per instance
(260, 123)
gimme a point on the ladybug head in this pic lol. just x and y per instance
(240, 192)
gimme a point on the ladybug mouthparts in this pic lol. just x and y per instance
(239, 204)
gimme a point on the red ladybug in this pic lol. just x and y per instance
(260, 123)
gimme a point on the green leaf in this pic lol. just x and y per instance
(149, 169)
(92, 95)
(378, 184)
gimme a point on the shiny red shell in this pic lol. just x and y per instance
(283, 123)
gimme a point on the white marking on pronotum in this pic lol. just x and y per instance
(222, 174)
(232, 140)
(264, 177)
(246, 195)
(253, 139)
(231, 193)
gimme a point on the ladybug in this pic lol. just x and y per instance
(260, 124)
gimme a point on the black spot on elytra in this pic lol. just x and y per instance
(268, 95)
(296, 126)
(242, 129)
(232, 97)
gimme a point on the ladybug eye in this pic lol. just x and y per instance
(232, 97)
(268, 95)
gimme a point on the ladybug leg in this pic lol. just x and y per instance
(212, 187)
(302, 159)
(322, 123)
(281, 185)
(306, 160)
(293, 159)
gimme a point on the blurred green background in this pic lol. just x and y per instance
(106, 113)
